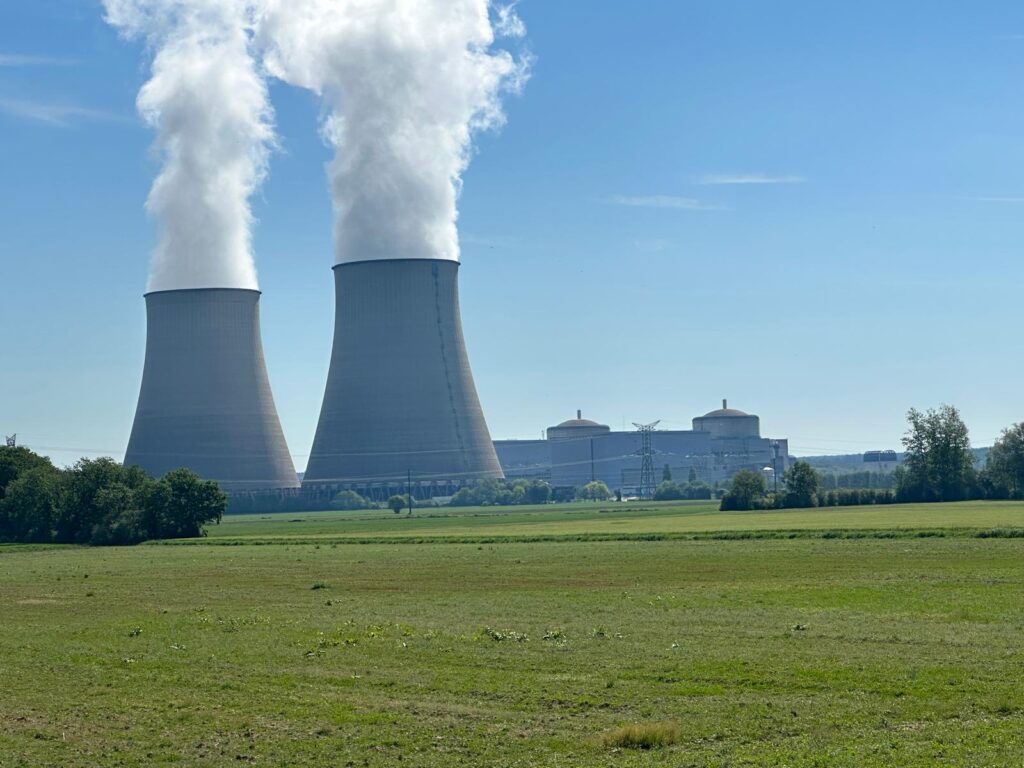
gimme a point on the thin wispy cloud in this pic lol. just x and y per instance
(664, 201)
(55, 114)
(721, 179)
(656, 245)
(24, 60)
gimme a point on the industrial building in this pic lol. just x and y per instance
(400, 407)
(881, 461)
(205, 401)
(579, 450)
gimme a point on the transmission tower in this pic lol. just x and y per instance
(12, 441)
(646, 453)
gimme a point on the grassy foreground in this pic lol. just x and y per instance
(781, 652)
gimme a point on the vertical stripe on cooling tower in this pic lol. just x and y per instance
(444, 363)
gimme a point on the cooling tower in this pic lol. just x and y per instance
(400, 398)
(205, 402)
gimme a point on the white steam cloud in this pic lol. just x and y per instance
(406, 85)
(209, 106)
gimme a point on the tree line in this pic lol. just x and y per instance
(486, 493)
(100, 502)
(938, 465)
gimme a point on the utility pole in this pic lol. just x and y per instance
(775, 465)
(408, 490)
(646, 453)
(12, 441)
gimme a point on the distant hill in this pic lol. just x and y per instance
(854, 462)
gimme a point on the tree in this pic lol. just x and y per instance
(191, 503)
(746, 490)
(668, 491)
(397, 503)
(14, 460)
(462, 498)
(349, 500)
(538, 492)
(101, 502)
(698, 491)
(80, 511)
(802, 484)
(28, 509)
(666, 474)
(120, 519)
(595, 490)
(693, 478)
(1004, 470)
(938, 465)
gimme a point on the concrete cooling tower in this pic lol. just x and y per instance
(206, 402)
(400, 399)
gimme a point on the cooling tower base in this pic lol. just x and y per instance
(206, 402)
(400, 405)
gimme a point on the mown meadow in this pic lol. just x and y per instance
(576, 636)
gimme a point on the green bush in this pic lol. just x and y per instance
(594, 491)
(350, 500)
(492, 492)
(397, 503)
(746, 492)
(100, 502)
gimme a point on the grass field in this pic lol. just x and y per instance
(299, 646)
(614, 521)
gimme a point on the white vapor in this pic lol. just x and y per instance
(664, 201)
(55, 113)
(406, 85)
(26, 60)
(209, 106)
(715, 179)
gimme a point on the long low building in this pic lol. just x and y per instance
(579, 450)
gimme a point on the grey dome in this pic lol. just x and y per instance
(579, 423)
(724, 413)
(578, 428)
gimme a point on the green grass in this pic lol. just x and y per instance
(613, 521)
(769, 652)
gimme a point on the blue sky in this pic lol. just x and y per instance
(813, 209)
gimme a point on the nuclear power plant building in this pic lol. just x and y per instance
(579, 450)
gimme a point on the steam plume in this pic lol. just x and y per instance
(209, 106)
(406, 84)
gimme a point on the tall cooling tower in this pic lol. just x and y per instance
(400, 399)
(205, 402)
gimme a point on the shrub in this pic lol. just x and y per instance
(350, 500)
(594, 491)
(668, 491)
(397, 503)
(746, 491)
